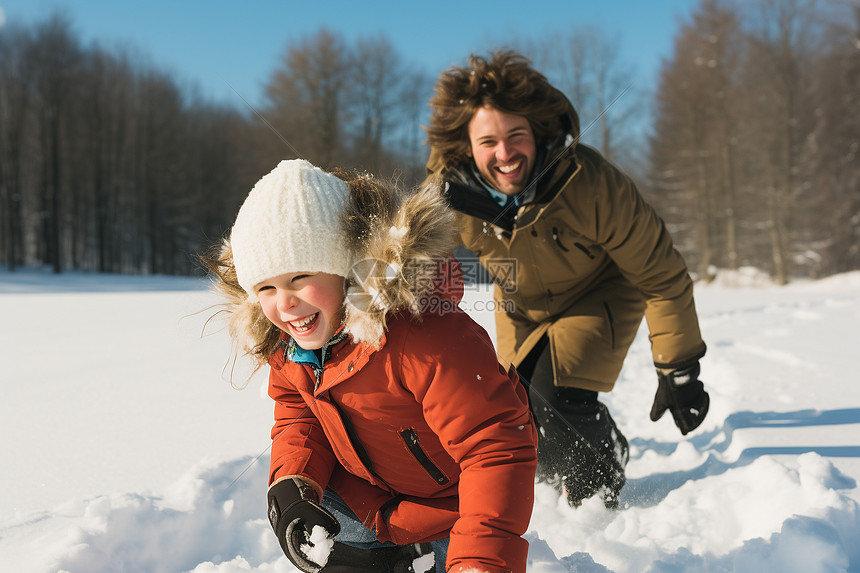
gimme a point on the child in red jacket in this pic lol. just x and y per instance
(396, 429)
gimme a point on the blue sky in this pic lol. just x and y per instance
(212, 43)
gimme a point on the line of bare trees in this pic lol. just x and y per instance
(108, 164)
(755, 145)
(105, 163)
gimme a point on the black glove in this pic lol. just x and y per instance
(681, 392)
(398, 559)
(293, 513)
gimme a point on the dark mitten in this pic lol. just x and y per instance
(681, 392)
(347, 559)
(293, 513)
(407, 556)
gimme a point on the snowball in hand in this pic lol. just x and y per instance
(319, 546)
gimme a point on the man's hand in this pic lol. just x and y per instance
(681, 392)
(293, 512)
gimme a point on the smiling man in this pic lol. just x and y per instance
(503, 149)
(590, 258)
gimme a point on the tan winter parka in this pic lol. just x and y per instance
(578, 264)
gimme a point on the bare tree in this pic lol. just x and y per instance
(348, 105)
(15, 107)
(831, 154)
(409, 138)
(308, 95)
(376, 89)
(386, 96)
(780, 58)
(106, 117)
(56, 58)
(159, 151)
(718, 54)
(693, 150)
(586, 65)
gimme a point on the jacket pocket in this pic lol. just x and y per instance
(557, 239)
(410, 438)
(610, 320)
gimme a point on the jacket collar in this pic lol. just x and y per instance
(314, 357)
(338, 360)
(470, 196)
(527, 195)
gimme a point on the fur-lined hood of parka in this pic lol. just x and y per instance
(401, 240)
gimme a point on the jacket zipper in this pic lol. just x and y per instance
(356, 444)
(351, 434)
(410, 438)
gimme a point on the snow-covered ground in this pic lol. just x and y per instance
(123, 446)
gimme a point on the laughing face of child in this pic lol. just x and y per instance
(307, 306)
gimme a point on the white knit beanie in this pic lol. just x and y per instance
(291, 222)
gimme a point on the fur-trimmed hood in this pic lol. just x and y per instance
(401, 241)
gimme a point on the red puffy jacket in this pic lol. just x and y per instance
(428, 425)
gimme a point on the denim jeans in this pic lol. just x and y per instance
(355, 534)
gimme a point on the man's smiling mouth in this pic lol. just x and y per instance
(506, 169)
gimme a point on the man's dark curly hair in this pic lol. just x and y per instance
(506, 81)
